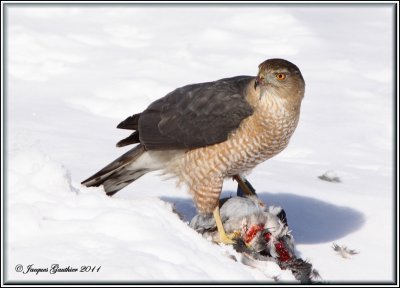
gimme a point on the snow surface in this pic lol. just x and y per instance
(74, 72)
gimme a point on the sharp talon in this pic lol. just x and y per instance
(226, 240)
(233, 235)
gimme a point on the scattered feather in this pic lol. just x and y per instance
(344, 251)
(330, 176)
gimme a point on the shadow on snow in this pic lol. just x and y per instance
(311, 220)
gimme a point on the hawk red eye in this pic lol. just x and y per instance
(280, 76)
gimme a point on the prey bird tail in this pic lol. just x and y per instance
(117, 174)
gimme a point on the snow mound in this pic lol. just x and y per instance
(52, 218)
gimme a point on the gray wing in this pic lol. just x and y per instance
(193, 116)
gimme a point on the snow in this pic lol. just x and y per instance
(74, 72)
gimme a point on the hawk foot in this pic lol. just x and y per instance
(227, 239)
(223, 237)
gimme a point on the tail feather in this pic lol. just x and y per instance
(130, 123)
(131, 139)
(115, 175)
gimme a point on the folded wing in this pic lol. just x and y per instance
(190, 117)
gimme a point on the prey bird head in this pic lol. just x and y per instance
(280, 75)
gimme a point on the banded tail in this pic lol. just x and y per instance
(120, 172)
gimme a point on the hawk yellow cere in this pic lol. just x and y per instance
(204, 133)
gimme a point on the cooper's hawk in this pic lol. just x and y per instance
(203, 133)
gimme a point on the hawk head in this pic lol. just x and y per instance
(280, 76)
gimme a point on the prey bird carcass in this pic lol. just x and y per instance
(261, 235)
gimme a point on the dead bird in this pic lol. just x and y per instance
(261, 234)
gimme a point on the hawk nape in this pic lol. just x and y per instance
(204, 133)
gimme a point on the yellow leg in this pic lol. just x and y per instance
(243, 185)
(223, 238)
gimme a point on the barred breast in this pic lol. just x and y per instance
(260, 137)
